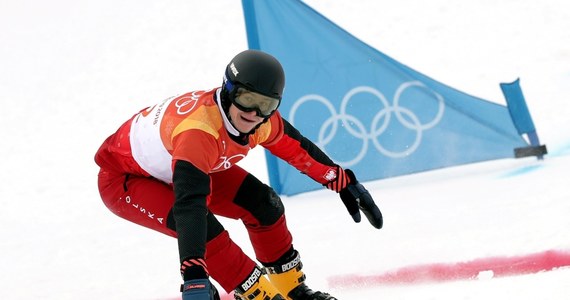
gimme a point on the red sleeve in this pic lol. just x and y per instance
(303, 154)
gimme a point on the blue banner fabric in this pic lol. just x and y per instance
(517, 107)
(367, 111)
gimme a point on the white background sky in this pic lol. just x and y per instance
(73, 71)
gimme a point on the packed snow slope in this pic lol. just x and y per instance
(73, 71)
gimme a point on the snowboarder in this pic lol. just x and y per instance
(172, 167)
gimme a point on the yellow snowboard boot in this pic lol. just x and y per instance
(257, 287)
(286, 275)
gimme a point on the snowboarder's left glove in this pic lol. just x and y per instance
(355, 197)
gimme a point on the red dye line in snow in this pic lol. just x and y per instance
(439, 272)
(227, 296)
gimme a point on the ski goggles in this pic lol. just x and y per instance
(247, 101)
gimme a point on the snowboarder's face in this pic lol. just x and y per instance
(244, 121)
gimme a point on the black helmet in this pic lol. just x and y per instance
(256, 71)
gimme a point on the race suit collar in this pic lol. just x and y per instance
(229, 126)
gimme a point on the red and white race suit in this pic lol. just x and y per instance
(138, 162)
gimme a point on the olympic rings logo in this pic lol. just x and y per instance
(187, 103)
(380, 122)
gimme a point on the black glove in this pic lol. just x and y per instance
(355, 197)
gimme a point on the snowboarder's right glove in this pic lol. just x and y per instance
(355, 197)
(199, 289)
(196, 285)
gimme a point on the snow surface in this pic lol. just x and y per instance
(72, 71)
